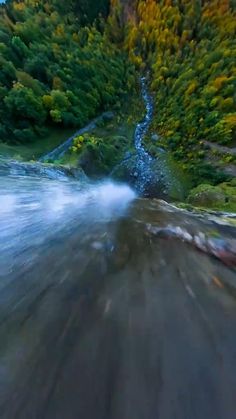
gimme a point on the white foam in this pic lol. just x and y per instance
(110, 194)
(106, 198)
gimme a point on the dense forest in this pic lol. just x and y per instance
(190, 48)
(58, 66)
(62, 63)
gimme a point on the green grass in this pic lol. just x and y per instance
(36, 149)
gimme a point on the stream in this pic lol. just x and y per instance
(143, 169)
(150, 177)
(113, 305)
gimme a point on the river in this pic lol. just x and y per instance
(113, 305)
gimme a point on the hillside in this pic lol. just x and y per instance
(58, 67)
(190, 48)
(64, 64)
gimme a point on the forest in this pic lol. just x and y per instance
(190, 49)
(58, 66)
(64, 63)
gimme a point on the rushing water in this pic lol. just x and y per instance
(109, 302)
(150, 177)
(93, 282)
(34, 210)
(143, 169)
(137, 169)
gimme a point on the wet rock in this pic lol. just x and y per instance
(50, 171)
(86, 161)
(223, 249)
(124, 170)
(74, 172)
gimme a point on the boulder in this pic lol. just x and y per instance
(207, 196)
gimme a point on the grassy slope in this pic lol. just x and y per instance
(37, 148)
